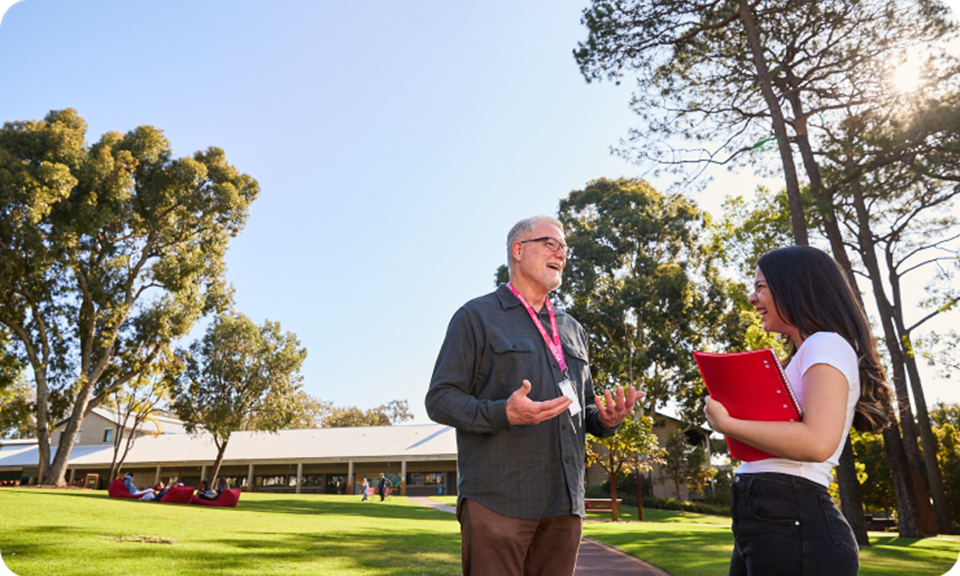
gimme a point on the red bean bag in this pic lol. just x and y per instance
(228, 499)
(178, 495)
(116, 489)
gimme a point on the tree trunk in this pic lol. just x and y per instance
(797, 219)
(927, 519)
(221, 449)
(941, 506)
(851, 503)
(56, 474)
(639, 493)
(613, 497)
(43, 422)
(907, 516)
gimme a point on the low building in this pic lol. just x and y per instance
(416, 459)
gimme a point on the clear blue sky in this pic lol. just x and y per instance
(395, 144)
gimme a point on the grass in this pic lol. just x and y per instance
(79, 533)
(689, 544)
(73, 533)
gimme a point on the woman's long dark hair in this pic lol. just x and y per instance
(812, 293)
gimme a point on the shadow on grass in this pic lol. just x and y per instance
(335, 508)
(359, 551)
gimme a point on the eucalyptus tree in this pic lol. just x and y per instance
(393, 412)
(644, 283)
(104, 248)
(239, 376)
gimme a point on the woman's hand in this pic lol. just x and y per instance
(717, 414)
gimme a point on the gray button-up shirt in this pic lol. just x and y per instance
(491, 346)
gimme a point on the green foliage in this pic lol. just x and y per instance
(747, 231)
(948, 456)
(686, 464)
(942, 351)
(943, 414)
(645, 286)
(18, 410)
(634, 445)
(876, 485)
(393, 412)
(699, 92)
(108, 254)
(686, 506)
(239, 376)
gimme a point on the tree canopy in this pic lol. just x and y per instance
(239, 376)
(646, 287)
(108, 252)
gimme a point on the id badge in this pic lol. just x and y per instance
(570, 392)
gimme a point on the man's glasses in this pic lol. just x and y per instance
(552, 244)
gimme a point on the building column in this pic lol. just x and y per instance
(73, 474)
(156, 479)
(350, 477)
(250, 478)
(403, 477)
(299, 476)
(203, 473)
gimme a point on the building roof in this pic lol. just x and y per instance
(379, 443)
(156, 424)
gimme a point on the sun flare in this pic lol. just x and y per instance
(906, 77)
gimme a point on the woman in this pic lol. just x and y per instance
(784, 520)
(205, 493)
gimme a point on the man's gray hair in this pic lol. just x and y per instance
(524, 226)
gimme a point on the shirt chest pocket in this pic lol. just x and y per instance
(514, 362)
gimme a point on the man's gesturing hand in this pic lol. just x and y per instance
(611, 413)
(522, 410)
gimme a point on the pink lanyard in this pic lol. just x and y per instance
(553, 344)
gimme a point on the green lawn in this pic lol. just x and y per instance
(688, 544)
(69, 533)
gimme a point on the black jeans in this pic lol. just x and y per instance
(787, 525)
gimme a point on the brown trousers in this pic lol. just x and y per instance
(498, 545)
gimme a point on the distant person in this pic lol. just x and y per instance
(204, 492)
(131, 488)
(784, 520)
(382, 487)
(366, 487)
(160, 489)
(513, 378)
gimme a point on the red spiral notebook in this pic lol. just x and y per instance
(751, 386)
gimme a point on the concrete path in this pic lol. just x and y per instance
(595, 559)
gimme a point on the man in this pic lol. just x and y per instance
(382, 487)
(145, 494)
(512, 377)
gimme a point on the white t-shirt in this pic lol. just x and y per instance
(821, 348)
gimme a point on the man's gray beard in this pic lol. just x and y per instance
(548, 283)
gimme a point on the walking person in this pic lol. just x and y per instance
(365, 488)
(784, 520)
(513, 378)
(382, 486)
